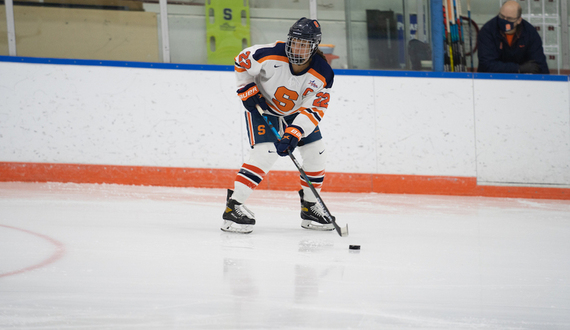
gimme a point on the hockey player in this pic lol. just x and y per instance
(291, 82)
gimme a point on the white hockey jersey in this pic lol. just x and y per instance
(286, 93)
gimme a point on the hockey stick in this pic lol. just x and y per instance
(454, 36)
(470, 35)
(461, 35)
(448, 34)
(445, 48)
(343, 232)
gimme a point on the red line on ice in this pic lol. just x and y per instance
(60, 251)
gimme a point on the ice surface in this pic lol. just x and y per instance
(80, 256)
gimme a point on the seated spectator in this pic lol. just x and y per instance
(509, 44)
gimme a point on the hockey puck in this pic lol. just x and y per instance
(354, 247)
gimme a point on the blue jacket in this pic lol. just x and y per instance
(495, 54)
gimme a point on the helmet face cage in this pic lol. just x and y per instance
(302, 41)
(299, 51)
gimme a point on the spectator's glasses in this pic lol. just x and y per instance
(512, 20)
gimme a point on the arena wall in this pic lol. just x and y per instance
(386, 132)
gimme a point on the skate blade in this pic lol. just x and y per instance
(308, 224)
(232, 227)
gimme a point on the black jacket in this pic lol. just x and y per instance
(495, 54)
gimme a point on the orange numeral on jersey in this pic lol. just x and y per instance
(322, 100)
(244, 61)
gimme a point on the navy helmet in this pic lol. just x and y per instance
(307, 31)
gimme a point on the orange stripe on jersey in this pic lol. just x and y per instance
(274, 58)
(320, 112)
(319, 76)
(238, 68)
(310, 116)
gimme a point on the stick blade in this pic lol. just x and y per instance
(342, 232)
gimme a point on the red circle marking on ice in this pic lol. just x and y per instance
(60, 250)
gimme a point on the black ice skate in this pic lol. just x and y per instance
(313, 215)
(237, 218)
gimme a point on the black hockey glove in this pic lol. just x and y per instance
(289, 140)
(529, 67)
(250, 96)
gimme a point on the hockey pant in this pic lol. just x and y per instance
(263, 156)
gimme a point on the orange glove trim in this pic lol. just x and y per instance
(294, 131)
(253, 90)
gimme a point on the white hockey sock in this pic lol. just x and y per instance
(309, 196)
(241, 192)
(314, 159)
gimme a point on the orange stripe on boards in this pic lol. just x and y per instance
(348, 182)
(458, 186)
(274, 180)
(418, 184)
(280, 180)
(523, 192)
(129, 175)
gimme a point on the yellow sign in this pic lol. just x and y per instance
(227, 29)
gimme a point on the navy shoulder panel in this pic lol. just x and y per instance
(277, 50)
(324, 69)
